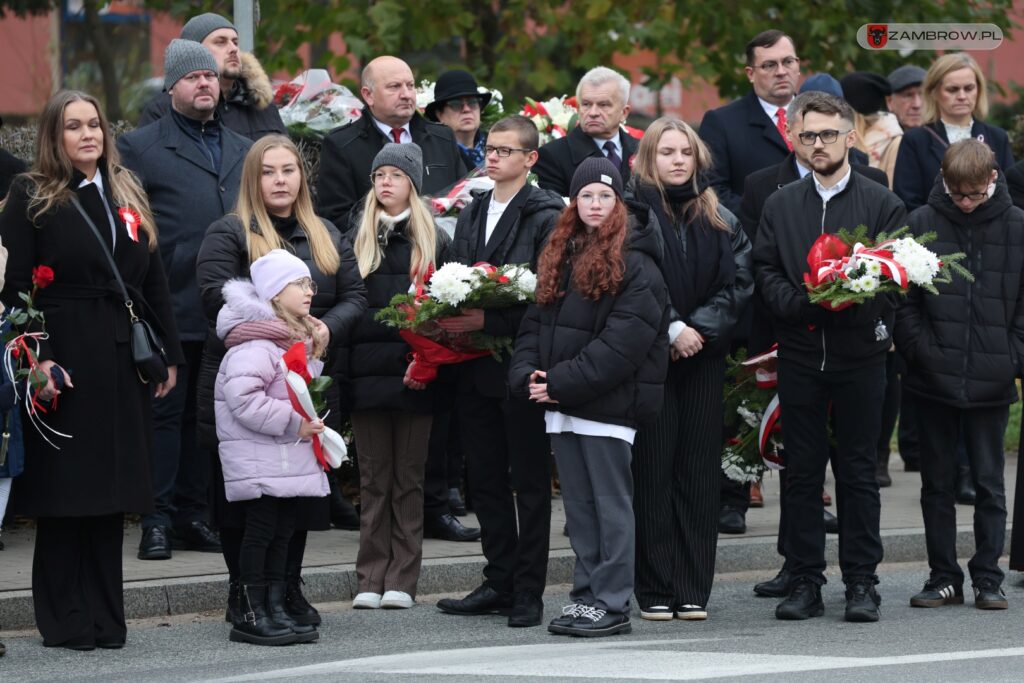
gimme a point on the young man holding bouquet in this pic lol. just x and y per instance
(827, 358)
(964, 349)
(504, 438)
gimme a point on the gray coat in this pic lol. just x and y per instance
(186, 196)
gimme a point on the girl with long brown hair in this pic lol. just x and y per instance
(678, 465)
(593, 351)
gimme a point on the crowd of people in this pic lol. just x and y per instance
(655, 259)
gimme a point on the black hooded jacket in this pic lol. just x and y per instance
(606, 360)
(965, 346)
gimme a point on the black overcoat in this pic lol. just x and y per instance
(558, 159)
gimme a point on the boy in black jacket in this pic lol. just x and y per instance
(503, 437)
(827, 358)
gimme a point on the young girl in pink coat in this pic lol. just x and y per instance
(265, 446)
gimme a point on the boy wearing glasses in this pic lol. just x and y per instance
(504, 438)
(964, 350)
(827, 358)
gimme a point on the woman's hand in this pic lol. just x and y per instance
(471, 320)
(308, 429)
(50, 391)
(688, 343)
(410, 382)
(539, 388)
(164, 388)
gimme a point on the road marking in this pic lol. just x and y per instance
(644, 660)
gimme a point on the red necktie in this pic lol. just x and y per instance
(780, 123)
(396, 133)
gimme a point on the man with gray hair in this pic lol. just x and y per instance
(602, 97)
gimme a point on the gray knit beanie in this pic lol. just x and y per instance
(198, 27)
(595, 170)
(408, 157)
(182, 57)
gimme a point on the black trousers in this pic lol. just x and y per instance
(76, 580)
(906, 429)
(856, 397)
(942, 427)
(677, 461)
(507, 450)
(181, 470)
(891, 404)
(269, 523)
(436, 475)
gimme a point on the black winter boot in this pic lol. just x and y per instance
(276, 607)
(257, 627)
(295, 602)
(233, 614)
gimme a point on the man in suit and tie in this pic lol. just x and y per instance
(602, 98)
(749, 134)
(191, 167)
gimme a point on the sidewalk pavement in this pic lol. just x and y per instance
(196, 582)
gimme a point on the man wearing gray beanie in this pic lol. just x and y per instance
(245, 104)
(191, 168)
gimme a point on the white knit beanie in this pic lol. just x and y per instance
(273, 272)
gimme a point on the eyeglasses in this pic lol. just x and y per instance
(973, 196)
(460, 103)
(305, 283)
(789, 64)
(394, 176)
(504, 152)
(604, 199)
(827, 136)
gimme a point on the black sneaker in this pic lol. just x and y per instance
(596, 623)
(569, 614)
(804, 602)
(657, 613)
(862, 600)
(989, 595)
(939, 592)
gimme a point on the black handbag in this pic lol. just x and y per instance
(147, 348)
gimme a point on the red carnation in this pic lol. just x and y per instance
(42, 277)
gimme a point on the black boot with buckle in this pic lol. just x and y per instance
(257, 627)
(276, 606)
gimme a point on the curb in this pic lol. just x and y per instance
(337, 583)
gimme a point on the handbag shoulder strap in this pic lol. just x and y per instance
(935, 135)
(129, 304)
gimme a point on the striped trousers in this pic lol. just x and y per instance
(676, 471)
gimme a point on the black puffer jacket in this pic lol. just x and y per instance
(377, 355)
(793, 218)
(607, 359)
(518, 238)
(223, 255)
(965, 346)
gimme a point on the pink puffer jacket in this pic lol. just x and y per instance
(260, 450)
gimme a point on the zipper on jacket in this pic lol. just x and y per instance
(824, 350)
(284, 457)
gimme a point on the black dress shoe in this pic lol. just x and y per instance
(965, 493)
(831, 523)
(731, 520)
(196, 536)
(862, 600)
(343, 513)
(110, 644)
(804, 602)
(778, 587)
(456, 503)
(527, 610)
(448, 528)
(484, 600)
(596, 623)
(155, 543)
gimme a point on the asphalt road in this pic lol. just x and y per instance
(742, 640)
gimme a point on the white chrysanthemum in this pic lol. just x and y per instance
(749, 416)
(921, 264)
(736, 469)
(873, 268)
(452, 283)
(524, 279)
(864, 283)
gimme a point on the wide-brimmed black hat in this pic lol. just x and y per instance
(452, 85)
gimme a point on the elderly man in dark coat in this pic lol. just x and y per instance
(190, 166)
(389, 91)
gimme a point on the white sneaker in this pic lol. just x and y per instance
(366, 601)
(396, 600)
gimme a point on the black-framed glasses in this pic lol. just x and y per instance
(394, 176)
(305, 283)
(827, 136)
(973, 196)
(459, 103)
(504, 152)
(789, 64)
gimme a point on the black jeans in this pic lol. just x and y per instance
(181, 470)
(856, 399)
(942, 427)
(269, 523)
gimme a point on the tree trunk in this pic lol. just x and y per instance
(104, 58)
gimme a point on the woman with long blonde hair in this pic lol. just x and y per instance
(707, 267)
(397, 246)
(275, 211)
(72, 211)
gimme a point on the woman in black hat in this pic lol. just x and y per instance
(878, 131)
(457, 104)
